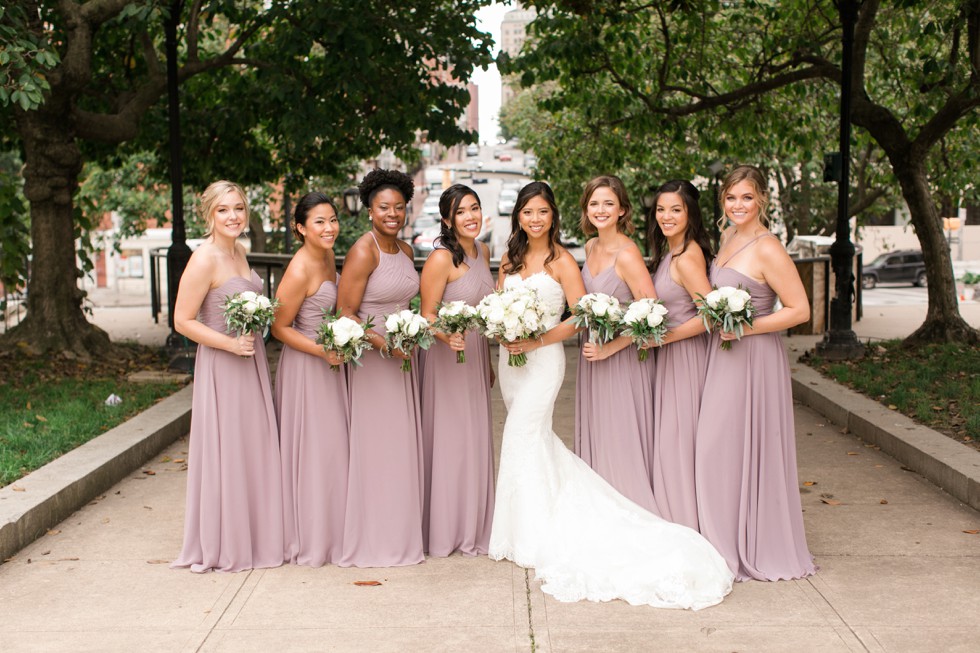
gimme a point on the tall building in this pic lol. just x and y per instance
(513, 32)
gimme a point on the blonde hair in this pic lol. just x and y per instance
(624, 223)
(755, 177)
(210, 197)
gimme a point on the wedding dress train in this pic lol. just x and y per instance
(555, 514)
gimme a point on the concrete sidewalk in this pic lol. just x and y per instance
(898, 572)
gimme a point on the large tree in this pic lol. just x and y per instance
(648, 68)
(270, 87)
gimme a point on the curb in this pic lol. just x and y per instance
(52, 493)
(955, 468)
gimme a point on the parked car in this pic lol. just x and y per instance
(424, 222)
(430, 206)
(472, 150)
(904, 266)
(505, 157)
(506, 201)
(530, 162)
(425, 241)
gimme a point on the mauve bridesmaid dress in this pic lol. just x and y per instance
(311, 401)
(745, 463)
(383, 526)
(233, 517)
(676, 402)
(614, 408)
(457, 432)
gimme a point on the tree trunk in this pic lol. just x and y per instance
(943, 321)
(55, 321)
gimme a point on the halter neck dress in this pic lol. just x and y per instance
(676, 401)
(311, 400)
(614, 426)
(745, 463)
(233, 516)
(457, 432)
(383, 521)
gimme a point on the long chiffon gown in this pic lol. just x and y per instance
(554, 513)
(233, 516)
(745, 463)
(614, 425)
(311, 401)
(676, 401)
(383, 526)
(457, 432)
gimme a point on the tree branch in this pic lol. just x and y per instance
(945, 118)
(150, 54)
(96, 12)
(192, 31)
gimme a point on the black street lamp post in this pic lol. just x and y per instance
(352, 201)
(179, 253)
(840, 342)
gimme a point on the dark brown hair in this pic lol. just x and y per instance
(624, 224)
(695, 231)
(517, 243)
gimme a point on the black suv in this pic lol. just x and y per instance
(905, 266)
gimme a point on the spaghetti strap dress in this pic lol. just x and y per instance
(233, 515)
(676, 402)
(457, 432)
(383, 520)
(614, 426)
(311, 401)
(745, 462)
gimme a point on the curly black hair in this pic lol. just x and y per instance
(378, 180)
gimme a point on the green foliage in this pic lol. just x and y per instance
(938, 385)
(15, 246)
(26, 59)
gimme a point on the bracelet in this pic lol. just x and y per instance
(385, 350)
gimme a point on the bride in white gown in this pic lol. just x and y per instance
(552, 511)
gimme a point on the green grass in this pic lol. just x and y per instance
(937, 385)
(49, 409)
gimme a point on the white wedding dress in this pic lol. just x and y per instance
(555, 514)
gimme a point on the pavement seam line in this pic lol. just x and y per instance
(530, 622)
(840, 617)
(223, 611)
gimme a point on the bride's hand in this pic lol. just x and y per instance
(522, 346)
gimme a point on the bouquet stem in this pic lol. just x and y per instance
(726, 345)
(642, 354)
(460, 357)
(407, 365)
(517, 360)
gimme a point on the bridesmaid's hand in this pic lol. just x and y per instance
(730, 335)
(400, 355)
(594, 352)
(456, 341)
(242, 345)
(332, 358)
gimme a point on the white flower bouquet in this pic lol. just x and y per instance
(405, 331)
(600, 314)
(728, 308)
(249, 312)
(511, 314)
(344, 336)
(645, 321)
(455, 317)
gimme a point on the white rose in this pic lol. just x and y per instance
(250, 307)
(744, 295)
(392, 322)
(654, 319)
(263, 301)
(530, 320)
(519, 306)
(341, 332)
(248, 296)
(496, 314)
(600, 307)
(727, 291)
(735, 304)
(356, 331)
(642, 308)
(660, 309)
(413, 328)
(713, 298)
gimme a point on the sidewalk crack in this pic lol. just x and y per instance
(530, 621)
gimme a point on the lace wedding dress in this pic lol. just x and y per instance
(555, 514)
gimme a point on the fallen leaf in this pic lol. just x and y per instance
(883, 501)
(853, 453)
(17, 488)
(148, 507)
(892, 407)
(157, 562)
(48, 552)
(28, 425)
(53, 531)
(28, 405)
(179, 460)
(973, 531)
(165, 459)
(367, 583)
(149, 472)
(105, 520)
(809, 483)
(41, 418)
(831, 502)
(66, 559)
